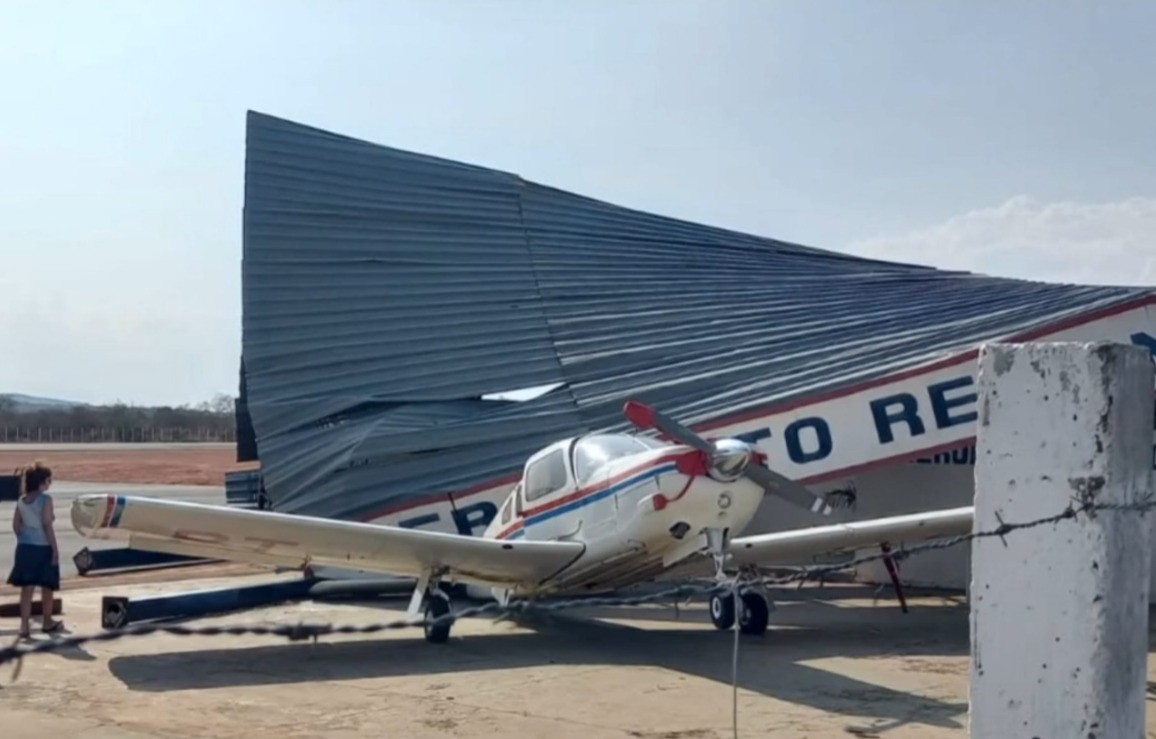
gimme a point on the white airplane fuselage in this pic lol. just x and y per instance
(636, 515)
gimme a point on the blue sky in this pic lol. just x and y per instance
(1008, 138)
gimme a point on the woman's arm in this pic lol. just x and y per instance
(48, 516)
(17, 521)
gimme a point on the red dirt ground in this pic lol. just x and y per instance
(158, 466)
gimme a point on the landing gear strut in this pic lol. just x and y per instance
(893, 572)
(756, 607)
(429, 599)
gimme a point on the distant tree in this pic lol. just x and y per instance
(223, 404)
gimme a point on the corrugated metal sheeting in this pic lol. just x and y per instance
(386, 292)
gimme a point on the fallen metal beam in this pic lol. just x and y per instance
(118, 611)
(9, 487)
(12, 610)
(363, 588)
(126, 558)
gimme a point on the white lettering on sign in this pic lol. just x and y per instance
(920, 413)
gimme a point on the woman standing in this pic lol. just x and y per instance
(37, 562)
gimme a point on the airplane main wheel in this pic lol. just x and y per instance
(436, 607)
(722, 611)
(756, 613)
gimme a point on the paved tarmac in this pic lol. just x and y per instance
(70, 542)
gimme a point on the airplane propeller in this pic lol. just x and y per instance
(727, 456)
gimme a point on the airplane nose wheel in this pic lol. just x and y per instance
(753, 619)
(756, 613)
(722, 611)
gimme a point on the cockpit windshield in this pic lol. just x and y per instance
(591, 452)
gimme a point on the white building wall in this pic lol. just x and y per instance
(945, 481)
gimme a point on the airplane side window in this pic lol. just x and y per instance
(546, 475)
(516, 496)
(507, 510)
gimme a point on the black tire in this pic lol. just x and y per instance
(436, 607)
(722, 611)
(756, 614)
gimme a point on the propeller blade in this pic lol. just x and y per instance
(787, 489)
(644, 416)
(639, 414)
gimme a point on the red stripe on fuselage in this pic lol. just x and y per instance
(109, 506)
(591, 489)
(584, 492)
(510, 530)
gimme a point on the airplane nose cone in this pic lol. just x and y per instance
(729, 459)
(88, 512)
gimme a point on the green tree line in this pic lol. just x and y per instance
(212, 420)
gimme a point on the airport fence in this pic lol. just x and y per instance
(114, 435)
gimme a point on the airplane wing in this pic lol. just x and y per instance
(264, 537)
(796, 546)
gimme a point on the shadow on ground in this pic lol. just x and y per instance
(774, 665)
(73, 652)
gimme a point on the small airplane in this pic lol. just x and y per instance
(592, 514)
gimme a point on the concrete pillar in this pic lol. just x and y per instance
(1059, 612)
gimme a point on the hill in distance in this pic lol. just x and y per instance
(20, 403)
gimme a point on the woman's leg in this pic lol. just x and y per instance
(46, 598)
(49, 584)
(26, 593)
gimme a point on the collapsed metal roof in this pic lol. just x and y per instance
(386, 294)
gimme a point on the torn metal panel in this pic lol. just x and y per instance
(387, 294)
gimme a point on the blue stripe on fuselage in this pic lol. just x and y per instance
(598, 495)
(117, 511)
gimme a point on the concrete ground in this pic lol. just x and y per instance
(833, 664)
(70, 542)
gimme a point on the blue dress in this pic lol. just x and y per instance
(33, 566)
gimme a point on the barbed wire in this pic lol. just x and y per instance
(731, 585)
(301, 631)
